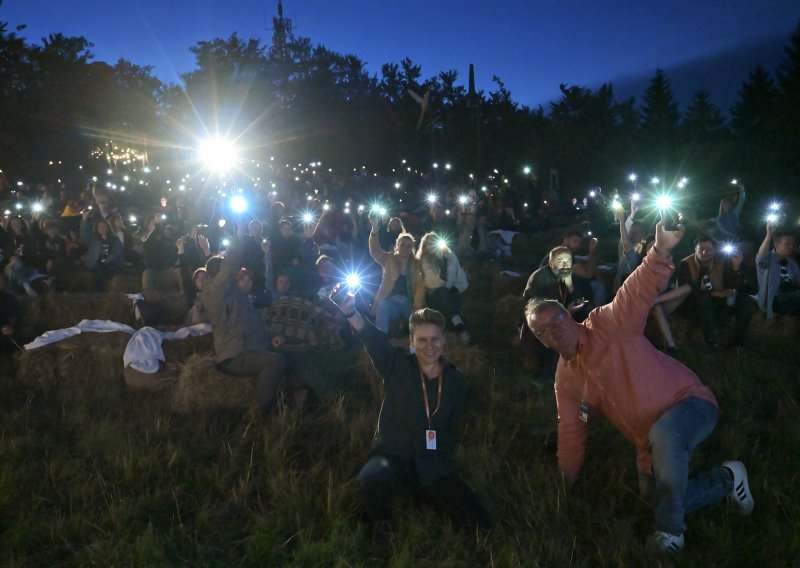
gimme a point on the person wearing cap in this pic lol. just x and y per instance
(419, 422)
(608, 368)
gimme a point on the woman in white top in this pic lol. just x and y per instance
(445, 281)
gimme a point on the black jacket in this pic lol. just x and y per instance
(402, 422)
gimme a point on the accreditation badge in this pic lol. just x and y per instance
(583, 412)
(430, 439)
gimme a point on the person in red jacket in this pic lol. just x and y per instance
(608, 368)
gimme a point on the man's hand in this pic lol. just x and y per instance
(341, 299)
(7, 330)
(593, 245)
(770, 228)
(666, 240)
(619, 214)
(375, 223)
(576, 305)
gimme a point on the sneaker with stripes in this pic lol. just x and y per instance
(740, 496)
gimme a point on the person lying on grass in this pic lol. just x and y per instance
(419, 423)
(608, 368)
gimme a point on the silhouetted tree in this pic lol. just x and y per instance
(660, 119)
(754, 121)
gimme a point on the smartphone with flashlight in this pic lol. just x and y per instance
(671, 219)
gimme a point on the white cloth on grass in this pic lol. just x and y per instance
(97, 326)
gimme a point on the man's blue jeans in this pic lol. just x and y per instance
(671, 441)
(392, 307)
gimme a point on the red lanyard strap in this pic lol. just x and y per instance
(428, 414)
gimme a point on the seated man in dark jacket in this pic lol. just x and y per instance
(419, 425)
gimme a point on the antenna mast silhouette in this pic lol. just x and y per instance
(281, 31)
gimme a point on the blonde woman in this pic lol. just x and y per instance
(402, 286)
(445, 281)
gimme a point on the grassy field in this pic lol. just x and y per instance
(95, 474)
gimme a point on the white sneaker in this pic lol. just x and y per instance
(664, 543)
(740, 496)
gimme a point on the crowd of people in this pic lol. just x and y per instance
(584, 319)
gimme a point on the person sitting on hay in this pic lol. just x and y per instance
(419, 422)
(242, 339)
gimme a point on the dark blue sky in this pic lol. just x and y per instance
(532, 45)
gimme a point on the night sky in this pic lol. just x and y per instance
(532, 46)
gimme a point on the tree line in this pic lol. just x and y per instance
(309, 102)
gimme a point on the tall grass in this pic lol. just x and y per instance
(99, 475)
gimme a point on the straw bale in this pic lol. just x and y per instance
(82, 360)
(179, 350)
(80, 280)
(125, 284)
(201, 387)
(59, 310)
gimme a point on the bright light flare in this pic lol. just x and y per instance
(635, 197)
(774, 206)
(655, 181)
(218, 154)
(632, 177)
(308, 217)
(664, 202)
(441, 244)
(463, 199)
(37, 208)
(226, 243)
(432, 198)
(772, 218)
(728, 248)
(353, 281)
(238, 204)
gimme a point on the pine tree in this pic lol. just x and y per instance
(789, 109)
(703, 123)
(660, 119)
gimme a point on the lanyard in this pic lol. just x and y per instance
(428, 414)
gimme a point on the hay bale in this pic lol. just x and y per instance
(60, 310)
(79, 280)
(201, 387)
(148, 381)
(82, 360)
(125, 284)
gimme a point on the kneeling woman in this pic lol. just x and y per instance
(445, 281)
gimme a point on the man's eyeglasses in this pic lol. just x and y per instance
(554, 321)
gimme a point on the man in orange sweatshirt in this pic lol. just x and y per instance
(608, 368)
